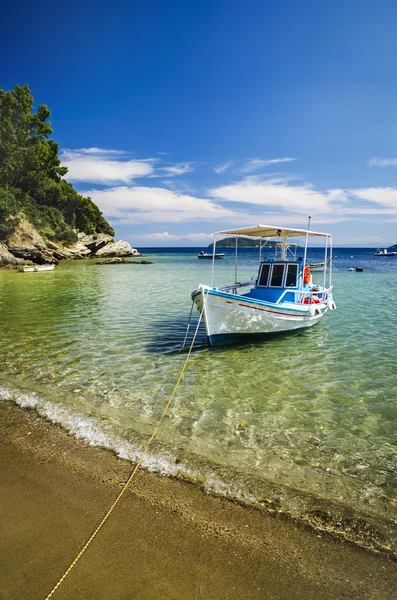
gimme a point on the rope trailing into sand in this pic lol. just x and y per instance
(135, 469)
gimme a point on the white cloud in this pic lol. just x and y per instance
(382, 162)
(101, 151)
(177, 169)
(100, 166)
(141, 204)
(278, 194)
(171, 237)
(385, 196)
(221, 168)
(109, 167)
(271, 200)
(257, 163)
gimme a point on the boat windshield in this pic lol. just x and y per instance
(264, 276)
(292, 276)
(278, 275)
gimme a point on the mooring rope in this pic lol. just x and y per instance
(135, 469)
(188, 327)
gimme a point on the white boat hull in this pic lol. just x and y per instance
(210, 256)
(36, 268)
(318, 267)
(229, 317)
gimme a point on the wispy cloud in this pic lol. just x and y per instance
(177, 169)
(104, 166)
(109, 167)
(279, 194)
(99, 151)
(221, 168)
(257, 163)
(382, 162)
(141, 204)
(244, 202)
(199, 238)
(384, 196)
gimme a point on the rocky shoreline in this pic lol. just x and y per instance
(26, 246)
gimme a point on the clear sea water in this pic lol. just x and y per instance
(302, 424)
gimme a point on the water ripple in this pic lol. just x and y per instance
(298, 423)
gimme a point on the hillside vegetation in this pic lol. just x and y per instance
(32, 179)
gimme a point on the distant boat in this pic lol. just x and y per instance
(384, 252)
(36, 268)
(203, 254)
(320, 266)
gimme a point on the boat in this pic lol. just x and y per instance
(36, 268)
(318, 267)
(384, 252)
(281, 298)
(203, 254)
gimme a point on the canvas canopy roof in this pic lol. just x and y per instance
(268, 231)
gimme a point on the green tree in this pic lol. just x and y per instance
(32, 177)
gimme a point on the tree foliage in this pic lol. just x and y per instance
(32, 178)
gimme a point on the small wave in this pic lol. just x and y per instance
(216, 479)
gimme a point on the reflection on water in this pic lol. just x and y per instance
(302, 423)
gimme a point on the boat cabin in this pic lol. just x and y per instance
(277, 278)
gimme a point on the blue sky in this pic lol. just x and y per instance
(184, 118)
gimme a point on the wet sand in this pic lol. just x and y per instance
(166, 538)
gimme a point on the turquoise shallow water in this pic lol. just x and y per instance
(302, 424)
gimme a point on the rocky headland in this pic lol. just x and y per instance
(43, 219)
(27, 246)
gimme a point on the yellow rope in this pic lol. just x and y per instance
(130, 478)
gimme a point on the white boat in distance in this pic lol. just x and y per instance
(36, 268)
(203, 254)
(384, 252)
(283, 296)
(317, 267)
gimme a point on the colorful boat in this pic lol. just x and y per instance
(282, 298)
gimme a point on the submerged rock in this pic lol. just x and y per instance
(122, 261)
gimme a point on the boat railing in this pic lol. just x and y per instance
(235, 286)
(321, 294)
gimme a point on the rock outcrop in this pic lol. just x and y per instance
(26, 245)
(6, 258)
(117, 249)
(95, 242)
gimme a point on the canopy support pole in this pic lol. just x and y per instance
(235, 261)
(305, 253)
(213, 260)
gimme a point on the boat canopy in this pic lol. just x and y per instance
(269, 231)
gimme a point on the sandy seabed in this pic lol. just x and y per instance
(165, 540)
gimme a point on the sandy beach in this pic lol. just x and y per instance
(166, 539)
